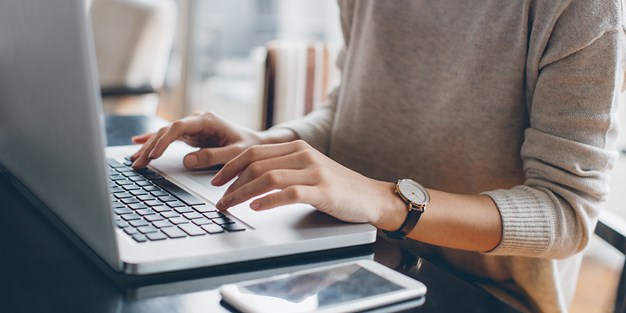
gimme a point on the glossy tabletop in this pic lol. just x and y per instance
(41, 271)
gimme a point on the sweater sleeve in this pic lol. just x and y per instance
(568, 149)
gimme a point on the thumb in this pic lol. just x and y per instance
(205, 158)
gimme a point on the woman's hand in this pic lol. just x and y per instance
(219, 140)
(304, 175)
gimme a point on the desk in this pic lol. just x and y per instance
(43, 272)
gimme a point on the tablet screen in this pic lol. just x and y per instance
(326, 287)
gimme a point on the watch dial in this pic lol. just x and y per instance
(413, 191)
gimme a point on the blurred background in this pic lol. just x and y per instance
(206, 55)
(258, 63)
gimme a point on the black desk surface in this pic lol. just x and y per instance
(42, 272)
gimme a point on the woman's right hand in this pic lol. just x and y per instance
(219, 141)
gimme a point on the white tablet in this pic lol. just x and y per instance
(345, 287)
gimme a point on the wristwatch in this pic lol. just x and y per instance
(417, 198)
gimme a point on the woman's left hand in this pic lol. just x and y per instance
(304, 175)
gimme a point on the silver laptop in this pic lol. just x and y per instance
(52, 142)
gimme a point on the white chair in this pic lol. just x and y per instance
(133, 40)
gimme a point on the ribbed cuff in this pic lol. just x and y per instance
(528, 221)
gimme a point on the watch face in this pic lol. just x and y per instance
(413, 191)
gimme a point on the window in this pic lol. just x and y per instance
(226, 49)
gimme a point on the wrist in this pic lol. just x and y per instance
(392, 211)
(278, 135)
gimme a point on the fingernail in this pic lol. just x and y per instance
(255, 205)
(217, 179)
(192, 161)
(224, 203)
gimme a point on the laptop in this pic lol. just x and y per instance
(153, 221)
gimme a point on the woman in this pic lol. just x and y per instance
(504, 110)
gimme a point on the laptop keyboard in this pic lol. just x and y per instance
(149, 207)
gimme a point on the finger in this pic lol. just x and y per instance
(258, 168)
(143, 159)
(252, 154)
(277, 179)
(175, 131)
(141, 138)
(208, 157)
(290, 195)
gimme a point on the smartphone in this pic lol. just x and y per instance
(345, 287)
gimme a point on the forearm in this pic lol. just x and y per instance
(468, 222)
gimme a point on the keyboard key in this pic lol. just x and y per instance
(124, 182)
(131, 187)
(146, 197)
(122, 195)
(147, 229)
(170, 214)
(121, 224)
(137, 206)
(129, 200)
(125, 169)
(213, 215)
(153, 176)
(152, 188)
(116, 176)
(173, 232)
(145, 171)
(130, 217)
(184, 209)
(176, 204)
(202, 221)
(144, 212)
(161, 224)
(152, 202)
(139, 192)
(204, 208)
(143, 183)
(130, 230)
(116, 188)
(140, 238)
(222, 220)
(212, 229)
(192, 215)
(191, 230)
(233, 227)
(153, 217)
(161, 208)
(120, 211)
(130, 174)
(114, 163)
(137, 178)
(178, 192)
(168, 199)
(156, 236)
(178, 220)
(159, 193)
(117, 205)
(138, 223)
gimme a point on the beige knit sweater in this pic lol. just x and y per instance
(513, 99)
